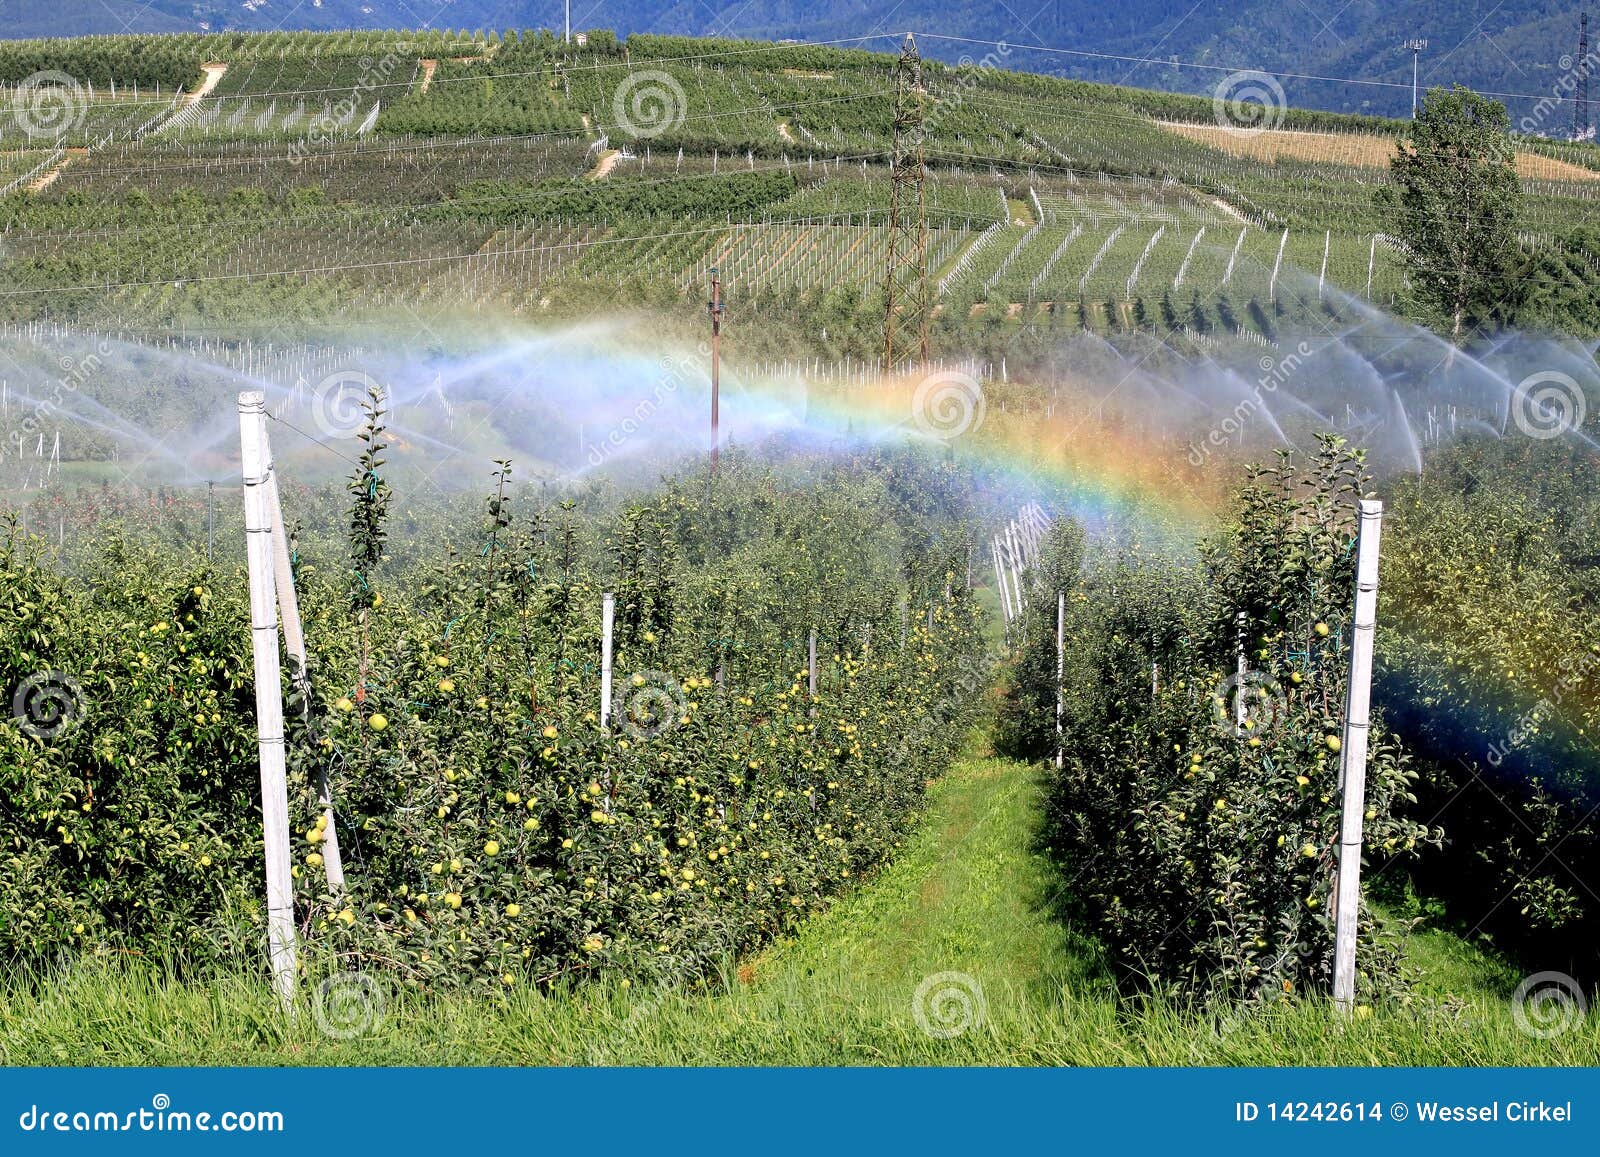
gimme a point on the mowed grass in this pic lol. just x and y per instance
(964, 916)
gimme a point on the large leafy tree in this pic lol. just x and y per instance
(1457, 197)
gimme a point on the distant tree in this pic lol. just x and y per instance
(1169, 312)
(1259, 316)
(1230, 320)
(1457, 197)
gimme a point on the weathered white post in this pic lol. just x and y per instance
(811, 665)
(608, 615)
(269, 695)
(1353, 753)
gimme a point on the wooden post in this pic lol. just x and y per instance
(294, 642)
(1353, 753)
(1061, 673)
(811, 666)
(608, 615)
(269, 696)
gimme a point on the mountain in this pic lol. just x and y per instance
(1523, 49)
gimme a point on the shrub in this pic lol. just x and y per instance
(492, 831)
(1203, 852)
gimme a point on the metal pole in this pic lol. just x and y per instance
(269, 698)
(1416, 45)
(608, 615)
(1353, 759)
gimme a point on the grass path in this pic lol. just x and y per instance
(961, 916)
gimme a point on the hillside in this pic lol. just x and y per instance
(325, 180)
(1514, 48)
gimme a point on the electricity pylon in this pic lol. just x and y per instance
(905, 319)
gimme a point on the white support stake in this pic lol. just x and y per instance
(811, 666)
(294, 642)
(1061, 673)
(608, 615)
(1241, 704)
(1000, 579)
(269, 694)
(1353, 754)
(1014, 556)
(1008, 579)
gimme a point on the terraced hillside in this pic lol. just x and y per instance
(231, 184)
